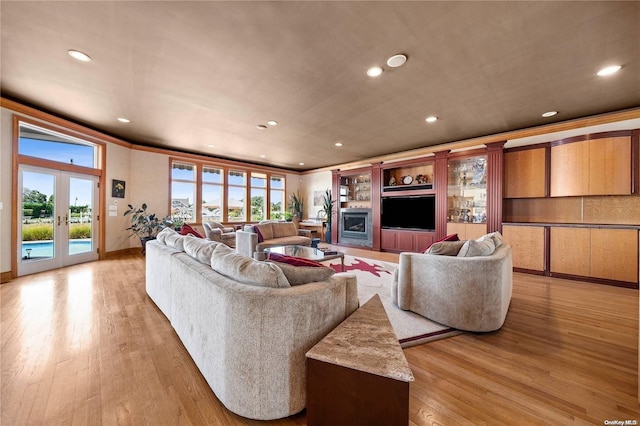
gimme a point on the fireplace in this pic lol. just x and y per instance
(355, 227)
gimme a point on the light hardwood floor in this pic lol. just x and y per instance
(85, 345)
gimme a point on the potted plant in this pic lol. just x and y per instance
(296, 206)
(145, 225)
(327, 207)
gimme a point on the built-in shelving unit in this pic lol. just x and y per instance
(407, 177)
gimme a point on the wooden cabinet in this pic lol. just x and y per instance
(467, 189)
(591, 167)
(467, 231)
(527, 246)
(524, 173)
(398, 240)
(610, 254)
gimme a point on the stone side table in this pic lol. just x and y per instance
(358, 374)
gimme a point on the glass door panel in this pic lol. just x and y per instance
(57, 219)
(37, 222)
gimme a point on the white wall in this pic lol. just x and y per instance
(118, 167)
(310, 183)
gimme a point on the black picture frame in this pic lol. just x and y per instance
(117, 188)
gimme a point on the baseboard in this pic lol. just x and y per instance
(5, 277)
(123, 252)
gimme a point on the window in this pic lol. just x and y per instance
(277, 201)
(258, 196)
(237, 191)
(206, 192)
(183, 191)
(49, 145)
(212, 193)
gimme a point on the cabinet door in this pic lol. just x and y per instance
(524, 173)
(570, 169)
(473, 231)
(421, 241)
(610, 166)
(388, 240)
(457, 228)
(405, 241)
(614, 254)
(527, 246)
(571, 251)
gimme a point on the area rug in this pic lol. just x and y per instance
(374, 277)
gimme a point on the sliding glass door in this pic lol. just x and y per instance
(57, 215)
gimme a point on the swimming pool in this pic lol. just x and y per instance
(40, 249)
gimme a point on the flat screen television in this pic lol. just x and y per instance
(409, 212)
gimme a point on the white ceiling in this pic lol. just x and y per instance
(190, 74)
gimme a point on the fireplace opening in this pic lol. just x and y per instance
(354, 225)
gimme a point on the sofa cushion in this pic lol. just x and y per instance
(284, 229)
(175, 240)
(452, 237)
(495, 236)
(472, 248)
(297, 275)
(293, 260)
(246, 270)
(284, 241)
(445, 248)
(162, 235)
(188, 229)
(264, 230)
(200, 249)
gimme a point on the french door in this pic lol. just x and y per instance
(57, 216)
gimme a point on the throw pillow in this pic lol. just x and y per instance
(445, 248)
(256, 230)
(293, 260)
(188, 229)
(452, 237)
(176, 241)
(246, 270)
(495, 236)
(198, 248)
(473, 248)
(297, 275)
(162, 235)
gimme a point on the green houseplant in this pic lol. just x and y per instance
(143, 224)
(327, 207)
(296, 206)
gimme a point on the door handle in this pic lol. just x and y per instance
(58, 220)
(66, 219)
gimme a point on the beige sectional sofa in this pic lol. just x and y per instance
(468, 288)
(255, 238)
(245, 327)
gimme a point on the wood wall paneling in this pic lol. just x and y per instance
(571, 251)
(527, 245)
(524, 173)
(610, 166)
(544, 210)
(613, 210)
(569, 169)
(614, 254)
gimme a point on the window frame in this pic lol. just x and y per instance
(199, 166)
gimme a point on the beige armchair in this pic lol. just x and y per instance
(467, 293)
(215, 231)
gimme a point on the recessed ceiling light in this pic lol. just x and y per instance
(338, 144)
(374, 71)
(76, 54)
(609, 70)
(302, 164)
(272, 123)
(397, 60)
(263, 156)
(431, 119)
(261, 126)
(549, 114)
(211, 145)
(124, 120)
